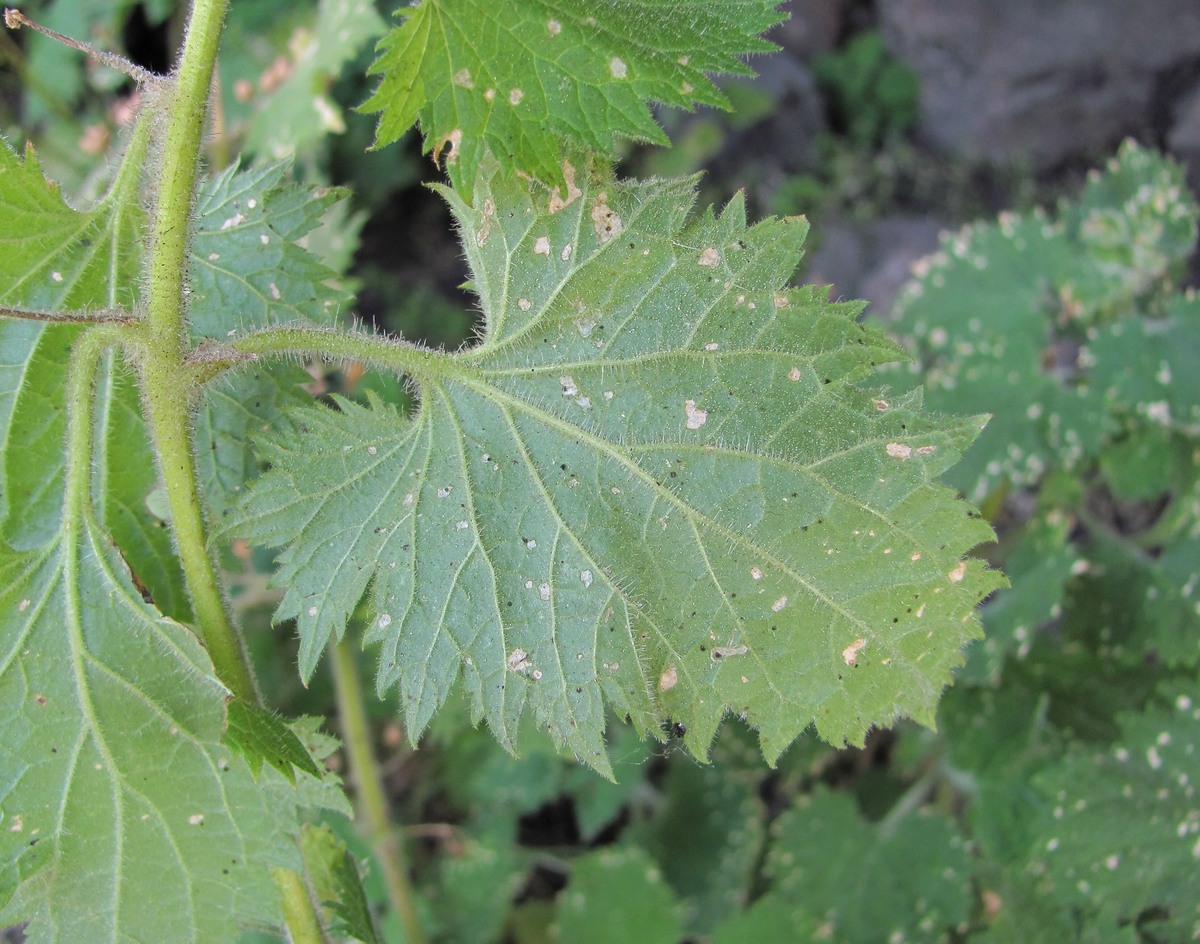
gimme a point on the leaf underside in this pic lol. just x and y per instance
(652, 487)
(528, 79)
(115, 781)
(123, 813)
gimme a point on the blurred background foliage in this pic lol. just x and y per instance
(1056, 800)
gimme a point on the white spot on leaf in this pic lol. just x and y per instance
(696, 417)
(779, 604)
(518, 660)
(850, 653)
(605, 219)
(669, 679)
(524, 304)
(541, 246)
(515, 96)
(618, 68)
(899, 450)
(462, 78)
(957, 574)
(569, 388)
(710, 257)
(585, 577)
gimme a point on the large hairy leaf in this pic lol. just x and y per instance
(124, 818)
(527, 79)
(653, 484)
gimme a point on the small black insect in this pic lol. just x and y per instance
(673, 729)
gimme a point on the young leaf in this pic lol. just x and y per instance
(124, 816)
(653, 484)
(528, 79)
(334, 876)
(259, 735)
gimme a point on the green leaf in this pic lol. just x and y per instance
(979, 314)
(246, 268)
(301, 110)
(1000, 311)
(652, 485)
(1135, 223)
(1039, 566)
(477, 883)
(334, 876)
(910, 883)
(232, 411)
(529, 80)
(124, 817)
(768, 919)
(1145, 369)
(614, 896)
(259, 735)
(707, 840)
(1123, 839)
(56, 258)
(53, 258)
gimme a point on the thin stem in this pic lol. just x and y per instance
(167, 403)
(304, 927)
(15, 19)
(85, 361)
(372, 802)
(401, 356)
(101, 316)
(186, 107)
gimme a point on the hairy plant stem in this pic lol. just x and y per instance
(168, 394)
(85, 362)
(372, 801)
(391, 353)
(168, 401)
(298, 910)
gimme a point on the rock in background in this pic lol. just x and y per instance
(1051, 81)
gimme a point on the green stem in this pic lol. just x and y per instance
(372, 802)
(85, 361)
(100, 316)
(185, 108)
(165, 378)
(304, 927)
(401, 356)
